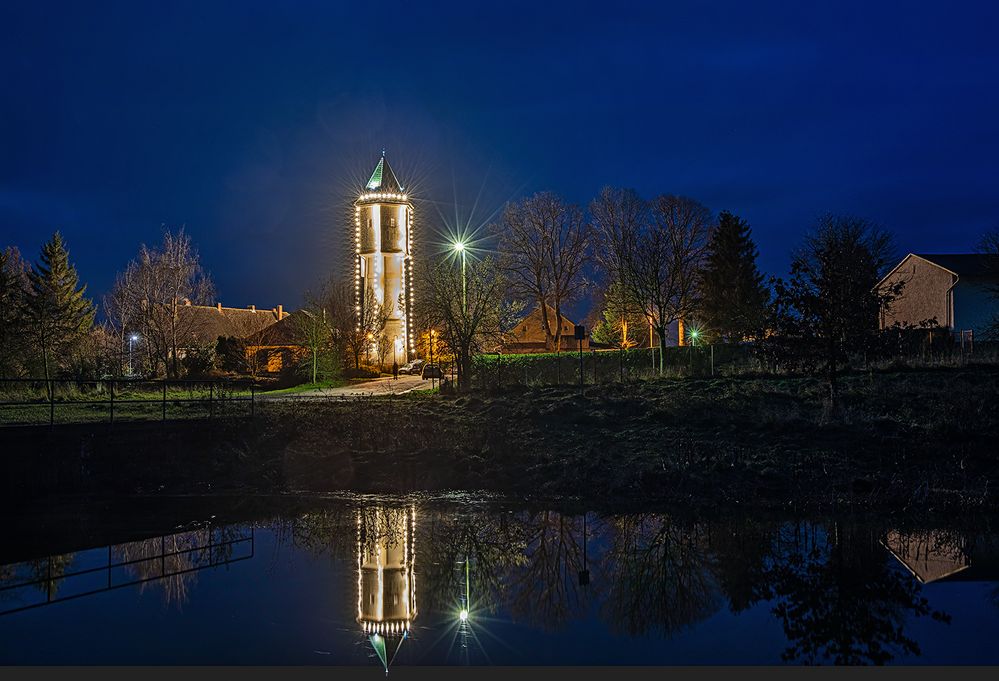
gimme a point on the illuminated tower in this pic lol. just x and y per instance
(383, 223)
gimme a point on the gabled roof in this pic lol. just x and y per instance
(535, 316)
(383, 179)
(962, 265)
(968, 265)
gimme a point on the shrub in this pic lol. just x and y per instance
(362, 372)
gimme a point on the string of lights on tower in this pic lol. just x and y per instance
(383, 263)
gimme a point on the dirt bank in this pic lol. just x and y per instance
(899, 442)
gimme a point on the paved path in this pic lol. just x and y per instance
(376, 386)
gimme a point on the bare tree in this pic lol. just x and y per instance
(464, 326)
(147, 297)
(655, 249)
(368, 322)
(545, 245)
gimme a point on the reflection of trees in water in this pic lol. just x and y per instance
(837, 598)
(331, 532)
(493, 543)
(833, 588)
(165, 561)
(47, 573)
(658, 576)
(739, 553)
(544, 588)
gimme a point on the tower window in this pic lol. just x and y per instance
(391, 222)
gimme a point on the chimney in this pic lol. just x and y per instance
(253, 309)
(219, 306)
(280, 312)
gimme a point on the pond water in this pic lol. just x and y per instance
(392, 582)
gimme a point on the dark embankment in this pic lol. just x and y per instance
(900, 442)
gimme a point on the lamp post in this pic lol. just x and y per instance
(131, 339)
(433, 380)
(690, 352)
(459, 247)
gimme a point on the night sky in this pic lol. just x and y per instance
(250, 122)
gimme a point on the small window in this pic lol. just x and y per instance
(391, 222)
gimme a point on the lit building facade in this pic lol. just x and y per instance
(383, 241)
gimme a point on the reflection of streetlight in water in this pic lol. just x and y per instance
(386, 584)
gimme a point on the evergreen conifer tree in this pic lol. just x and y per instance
(733, 296)
(13, 284)
(56, 310)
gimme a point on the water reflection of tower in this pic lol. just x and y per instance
(386, 583)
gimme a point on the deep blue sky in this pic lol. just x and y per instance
(248, 122)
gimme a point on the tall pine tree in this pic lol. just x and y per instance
(733, 296)
(13, 284)
(57, 313)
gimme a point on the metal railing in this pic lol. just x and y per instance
(36, 401)
(182, 557)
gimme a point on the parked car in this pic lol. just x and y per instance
(432, 371)
(414, 367)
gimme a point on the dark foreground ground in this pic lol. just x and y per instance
(920, 441)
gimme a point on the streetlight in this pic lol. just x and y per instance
(131, 339)
(459, 247)
(433, 383)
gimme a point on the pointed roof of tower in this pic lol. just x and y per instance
(383, 179)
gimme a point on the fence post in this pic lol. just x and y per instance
(499, 370)
(112, 401)
(51, 402)
(164, 399)
(211, 406)
(593, 354)
(253, 402)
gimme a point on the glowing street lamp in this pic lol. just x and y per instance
(131, 339)
(459, 247)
